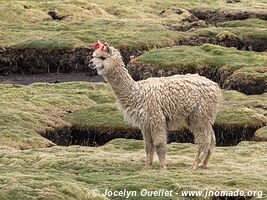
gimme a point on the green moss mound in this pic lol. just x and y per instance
(261, 134)
(104, 116)
(247, 74)
(197, 57)
(26, 110)
(238, 110)
(230, 68)
(243, 29)
(248, 79)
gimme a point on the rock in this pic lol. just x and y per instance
(233, 1)
(55, 15)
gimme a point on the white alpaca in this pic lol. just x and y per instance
(156, 104)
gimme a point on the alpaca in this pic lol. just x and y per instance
(155, 105)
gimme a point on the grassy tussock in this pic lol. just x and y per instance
(198, 57)
(24, 110)
(105, 116)
(238, 110)
(74, 172)
(249, 74)
(26, 24)
(261, 134)
(244, 29)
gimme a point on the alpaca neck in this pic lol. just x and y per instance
(124, 87)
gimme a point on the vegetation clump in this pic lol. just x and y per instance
(213, 61)
(76, 172)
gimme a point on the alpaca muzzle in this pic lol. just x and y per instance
(92, 64)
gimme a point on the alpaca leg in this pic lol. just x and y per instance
(196, 161)
(212, 145)
(160, 144)
(204, 142)
(149, 147)
(202, 154)
(161, 150)
(203, 139)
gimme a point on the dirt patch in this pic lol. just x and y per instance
(96, 137)
(233, 1)
(24, 79)
(143, 71)
(188, 26)
(55, 15)
(216, 16)
(247, 87)
(32, 61)
(128, 54)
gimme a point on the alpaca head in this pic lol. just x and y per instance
(103, 57)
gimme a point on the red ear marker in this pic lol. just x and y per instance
(103, 47)
(96, 45)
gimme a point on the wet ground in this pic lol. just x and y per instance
(49, 78)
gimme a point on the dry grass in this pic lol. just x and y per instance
(26, 24)
(74, 172)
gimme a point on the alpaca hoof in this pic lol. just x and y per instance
(163, 168)
(193, 167)
(203, 166)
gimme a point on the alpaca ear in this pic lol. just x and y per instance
(108, 50)
(100, 43)
(97, 45)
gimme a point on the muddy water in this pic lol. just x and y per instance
(49, 78)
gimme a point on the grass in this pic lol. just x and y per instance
(121, 33)
(221, 64)
(26, 110)
(244, 29)
(250, 74)
(28, 170)
(248, 23)
(76, 172)
(26, 24)
(199, 57)
(238, 110)
(86, 23)
(104, 116)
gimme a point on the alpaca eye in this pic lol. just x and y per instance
(102, 57)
